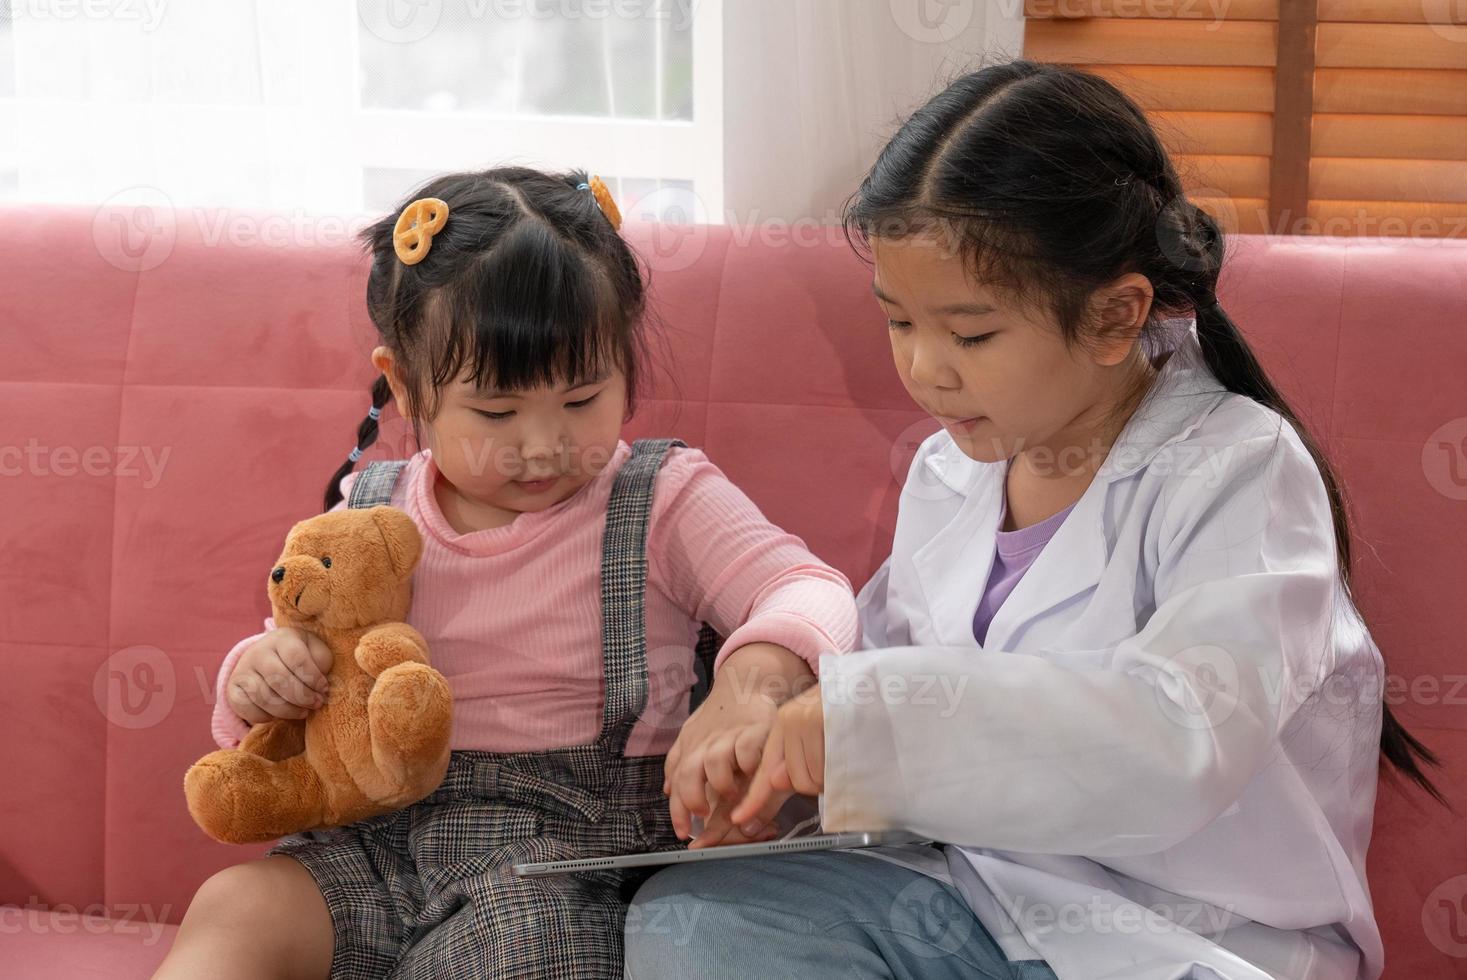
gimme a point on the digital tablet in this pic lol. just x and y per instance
(787, 845)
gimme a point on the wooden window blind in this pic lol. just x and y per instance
(1341, 117)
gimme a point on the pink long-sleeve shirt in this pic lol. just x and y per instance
(512, 614)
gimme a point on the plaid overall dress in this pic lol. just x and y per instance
(427, 891)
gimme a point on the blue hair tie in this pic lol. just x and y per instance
(583, 187)
(374, 413)
(355, 455)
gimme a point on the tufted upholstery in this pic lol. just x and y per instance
(172, 400)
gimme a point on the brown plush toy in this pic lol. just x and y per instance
(380, 740)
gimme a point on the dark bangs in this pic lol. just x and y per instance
(532, 311)
(1045, 181)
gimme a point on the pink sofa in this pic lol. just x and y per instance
(175, 392)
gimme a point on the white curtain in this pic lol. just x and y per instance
(194, 103)
(816, 87)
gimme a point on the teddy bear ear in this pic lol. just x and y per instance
(404, 543)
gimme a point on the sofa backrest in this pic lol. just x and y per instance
(175, 390)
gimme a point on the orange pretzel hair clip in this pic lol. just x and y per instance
(603, 197)
(412, 236)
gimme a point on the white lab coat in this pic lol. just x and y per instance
(1161, 764)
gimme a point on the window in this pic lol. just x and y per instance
(629, 88)
(342, 106)
(7, 55)
(9, 177)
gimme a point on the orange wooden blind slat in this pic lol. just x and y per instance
(1391, 46)
(1221, 175)
(1215, 132)
(1352, 179)
(1395, 90)
(1192, 88)
(1397, 137)
(1154, 9)
(1446, 12)
(1418, 219)
(1151, 42)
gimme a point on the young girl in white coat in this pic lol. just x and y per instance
(1112, 665)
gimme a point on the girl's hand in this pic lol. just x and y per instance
(793, 759)
(720, 829)
(715, 753)
(282, 675)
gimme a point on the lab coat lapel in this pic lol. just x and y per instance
(952, 567)
(1068, 565)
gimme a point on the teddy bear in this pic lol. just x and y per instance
(380, 741)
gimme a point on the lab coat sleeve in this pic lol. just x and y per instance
(1124, 749)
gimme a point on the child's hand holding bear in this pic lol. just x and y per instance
(282, 675)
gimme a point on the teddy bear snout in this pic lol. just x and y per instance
(298, 581)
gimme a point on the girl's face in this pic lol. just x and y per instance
(524, 450)
(999, 377)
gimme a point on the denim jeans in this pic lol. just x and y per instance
(818, 914)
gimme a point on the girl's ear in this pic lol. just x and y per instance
(1119, 312)
(383, 361)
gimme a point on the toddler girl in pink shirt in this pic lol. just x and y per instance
(565, 582)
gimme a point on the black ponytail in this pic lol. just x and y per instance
(1051, 183)
(1230, 358)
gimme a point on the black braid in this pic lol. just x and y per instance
(366, 435)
